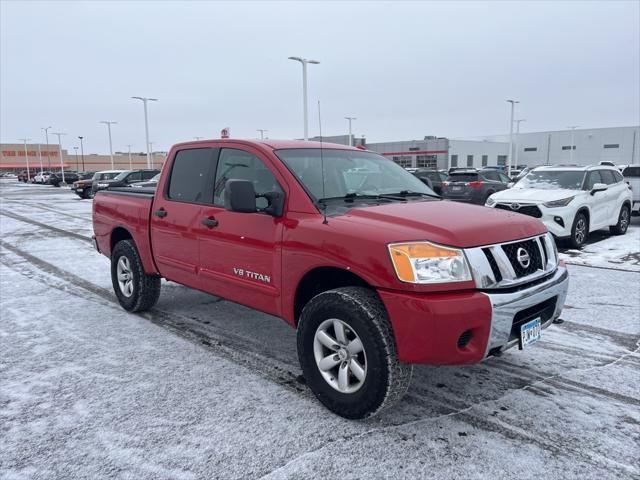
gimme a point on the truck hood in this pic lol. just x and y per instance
(533, 195)
(444, 222)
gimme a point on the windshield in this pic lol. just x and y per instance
(552, 179)
(121, 175)
(105, 175)
(463, 177)
(349, 172)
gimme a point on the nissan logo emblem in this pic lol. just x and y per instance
(523, 257)
(515, 206)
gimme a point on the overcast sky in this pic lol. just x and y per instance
(406, 70)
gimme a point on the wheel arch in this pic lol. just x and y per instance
(117, 235)
(321, 279)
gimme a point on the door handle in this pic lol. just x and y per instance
(209, 222)
(160, 213)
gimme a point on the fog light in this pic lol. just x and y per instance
(464, 339)
(559, 221)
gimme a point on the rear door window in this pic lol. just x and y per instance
(594, 177)
(491, 176)
(134, 177)
(607, 176)
(191, 178)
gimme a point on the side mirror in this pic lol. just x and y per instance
(598, 187)
(276, 203)
(239, 196)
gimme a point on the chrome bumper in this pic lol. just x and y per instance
(506, 305)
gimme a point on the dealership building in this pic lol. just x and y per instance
(620, 145)
(47, 157)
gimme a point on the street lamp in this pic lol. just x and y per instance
(108, 124)
(304, 63)
(130, 163)
(518, 138)
(573, 129)
(82, 152)
(262, 131)
(60, 153)
(513, 104)
(26, 156)
(350, 135)
(151, 148)
(46, 134)
(77, 164)
(146, 126)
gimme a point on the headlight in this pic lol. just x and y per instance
(103, 185)
(425, 262)
(559, 203)
(490, 202)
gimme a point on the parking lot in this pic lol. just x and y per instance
(200, 387)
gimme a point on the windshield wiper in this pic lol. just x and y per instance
(350, 197)
(403, 194)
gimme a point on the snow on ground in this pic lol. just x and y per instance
(204, 388)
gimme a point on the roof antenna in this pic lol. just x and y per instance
(324, 204)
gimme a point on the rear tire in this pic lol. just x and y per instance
(374, 378)
(85, 193)
(136, 291)
(579, 231)
(624, 217)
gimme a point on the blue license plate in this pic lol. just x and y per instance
(530, 332)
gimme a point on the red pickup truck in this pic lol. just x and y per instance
(374, 270)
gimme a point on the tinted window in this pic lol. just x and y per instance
(469, 160)
(147, 174)
(454, 160)
(607, 176)
(491, 176)
(504, 178)
(617, 175)
(631, 172)
(134, 177)
(463, 177)
(594, 177)
(241, 165)
(191, 175)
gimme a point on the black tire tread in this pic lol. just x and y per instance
(571, 240)
(399, 374)
(617, 229)
(147, 290)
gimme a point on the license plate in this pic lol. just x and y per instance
(456, 189)
(530, 332)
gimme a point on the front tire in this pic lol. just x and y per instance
(348, 354)
(85, 193)
(579, 231)
(621, 227)
(136, 291)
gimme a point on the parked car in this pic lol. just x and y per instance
(56, 178)
(631, 175)
(474, 186)
(124, 179)
(24, 176)
(152, 183)
(375, 278)
(41, 177)
(83, 187)
(432, 178)
(571, 201)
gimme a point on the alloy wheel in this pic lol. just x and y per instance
(125, 276)
(340, 356)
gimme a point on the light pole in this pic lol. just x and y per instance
(573, 129)
(304, 63)
(46, 134)
(82, 152)
(130, 163)
(151, 149)
(518, 138)
(26, 156)
(146, 126)
(513, 104)
(40, 157)
(60, 153)
(350, 135)
(77, 164)
(262, 132)
(108, 124)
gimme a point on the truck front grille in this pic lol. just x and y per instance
(543, 310)
(517, 252)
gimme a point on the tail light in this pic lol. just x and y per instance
(445, 184)
(477, 184)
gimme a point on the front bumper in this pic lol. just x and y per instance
(465, 327)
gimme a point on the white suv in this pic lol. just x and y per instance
(571, 200)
